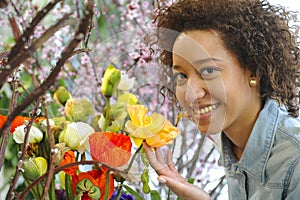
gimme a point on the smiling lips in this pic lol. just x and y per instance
(203, 110)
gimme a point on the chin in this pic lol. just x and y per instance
(209, 130)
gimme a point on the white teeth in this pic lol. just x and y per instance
(205, 110)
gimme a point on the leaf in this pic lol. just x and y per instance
(132, 192)
(154, 195)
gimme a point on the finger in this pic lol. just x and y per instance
(184, 189)
(152, 157)
(170, 160)
(159, 156)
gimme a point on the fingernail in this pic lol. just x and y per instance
(162, 180)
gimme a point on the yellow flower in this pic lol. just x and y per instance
(154, 129)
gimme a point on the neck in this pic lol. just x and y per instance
(239, 132)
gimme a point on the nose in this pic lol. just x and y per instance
(196, 89)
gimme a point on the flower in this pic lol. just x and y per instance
(78, 110)
(35, 134)
(18, 121)
(110, 81)
(154, 129)
(118, 112)
(69, 157)
(126, 83)
(75, 135)
(113, 149)
(61, 95)
(123, 196)
(91, 184)
(2, 120)
(164, 136)
(34, 168)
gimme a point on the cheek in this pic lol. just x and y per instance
(180, 95)
(218, 90)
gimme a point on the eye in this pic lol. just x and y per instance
(209, 72)
(179, 78)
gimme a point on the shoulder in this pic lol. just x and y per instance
(288, 129)
(292, 183)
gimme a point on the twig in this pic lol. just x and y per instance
(22, 40)
(52, 77)
(20, 161)
(52, 154)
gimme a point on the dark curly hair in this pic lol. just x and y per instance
(259, 34)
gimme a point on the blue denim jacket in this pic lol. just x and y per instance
(270, 165)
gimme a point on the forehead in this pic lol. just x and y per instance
(198, 44)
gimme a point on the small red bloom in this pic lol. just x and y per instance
(98, 179)
(2, 120)
(18, 121)
(113, 149)
(69, 157)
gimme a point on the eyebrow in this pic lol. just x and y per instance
(205, 60)
(199, 62)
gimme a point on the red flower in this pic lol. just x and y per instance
(97, 178)
(113, 149)
(2, 120)
(18, 121)
(69, 157)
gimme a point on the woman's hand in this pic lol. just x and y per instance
(170, 176)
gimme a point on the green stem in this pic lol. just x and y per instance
(119, 190)
(106, 184)
(133, 157)
(52, 190)
(107, 111)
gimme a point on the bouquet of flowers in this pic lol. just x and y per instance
(58, 149)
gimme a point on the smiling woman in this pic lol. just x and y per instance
(235, 67)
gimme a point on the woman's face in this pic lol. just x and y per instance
(211, 84)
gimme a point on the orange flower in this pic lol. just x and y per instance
(92, 183)
(69, 157)
(18, 121)
(113, 149)
(2, 120)
(38, 119)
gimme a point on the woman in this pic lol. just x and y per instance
(235, 64)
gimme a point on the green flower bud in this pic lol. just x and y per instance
(145, 180)
(34, 168)
(61, 95)
(79, 110)
(146, 188)
(145, 176)
(110, 81)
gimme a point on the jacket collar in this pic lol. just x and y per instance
(259, 145)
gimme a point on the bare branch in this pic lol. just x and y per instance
(22, 40)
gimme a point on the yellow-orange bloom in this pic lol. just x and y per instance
(69, 157)
(154, 129)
